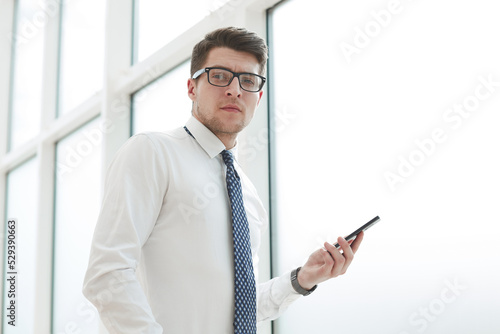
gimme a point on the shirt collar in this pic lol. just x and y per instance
(206, 138)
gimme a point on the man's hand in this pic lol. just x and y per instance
(325, 264)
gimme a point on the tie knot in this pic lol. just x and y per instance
(227, 156)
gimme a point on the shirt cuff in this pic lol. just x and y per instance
(283, 292)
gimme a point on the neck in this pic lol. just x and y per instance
(228, 139)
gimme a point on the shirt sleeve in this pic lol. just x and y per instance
(135, 187)
(274, 297)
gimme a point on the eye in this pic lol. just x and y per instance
(248, 79)
(219, 75)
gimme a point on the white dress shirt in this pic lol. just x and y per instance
(162, 253)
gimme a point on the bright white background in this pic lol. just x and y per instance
(163, 104)
(344, 123)
(92, 75)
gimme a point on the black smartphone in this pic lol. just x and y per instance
(362, 228)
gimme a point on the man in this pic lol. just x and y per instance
(175, 245)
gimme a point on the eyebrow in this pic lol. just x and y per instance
(224, 67)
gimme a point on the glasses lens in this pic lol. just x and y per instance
(218, 77)
(250, 82)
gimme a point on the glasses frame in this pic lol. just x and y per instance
(198, 73)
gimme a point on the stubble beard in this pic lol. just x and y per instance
(217, 126)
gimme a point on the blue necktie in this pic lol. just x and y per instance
(245, 310)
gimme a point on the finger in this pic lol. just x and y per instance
(322, 272)
(347, 253)
(350, 241)
(328, 260)
(345, 246)
(357, 242)
(338, 259)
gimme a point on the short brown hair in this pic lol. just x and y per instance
(238, 39)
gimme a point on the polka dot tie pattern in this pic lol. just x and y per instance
(245, 311)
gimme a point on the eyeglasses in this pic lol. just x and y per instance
(222, 77)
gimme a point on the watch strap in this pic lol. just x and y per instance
(296, 286)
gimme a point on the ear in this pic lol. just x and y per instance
(191, 84)
(260, 96)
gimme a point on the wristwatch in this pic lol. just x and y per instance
(296, 286)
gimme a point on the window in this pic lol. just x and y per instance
(163, 104)
(383, 110)
(77, 205)
(82, 52)
(26, 94)
(160, 22)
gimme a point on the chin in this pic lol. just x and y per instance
(232, 124)
(233, 128)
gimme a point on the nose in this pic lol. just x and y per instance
(234, 88)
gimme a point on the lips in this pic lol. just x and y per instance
(231, 108)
